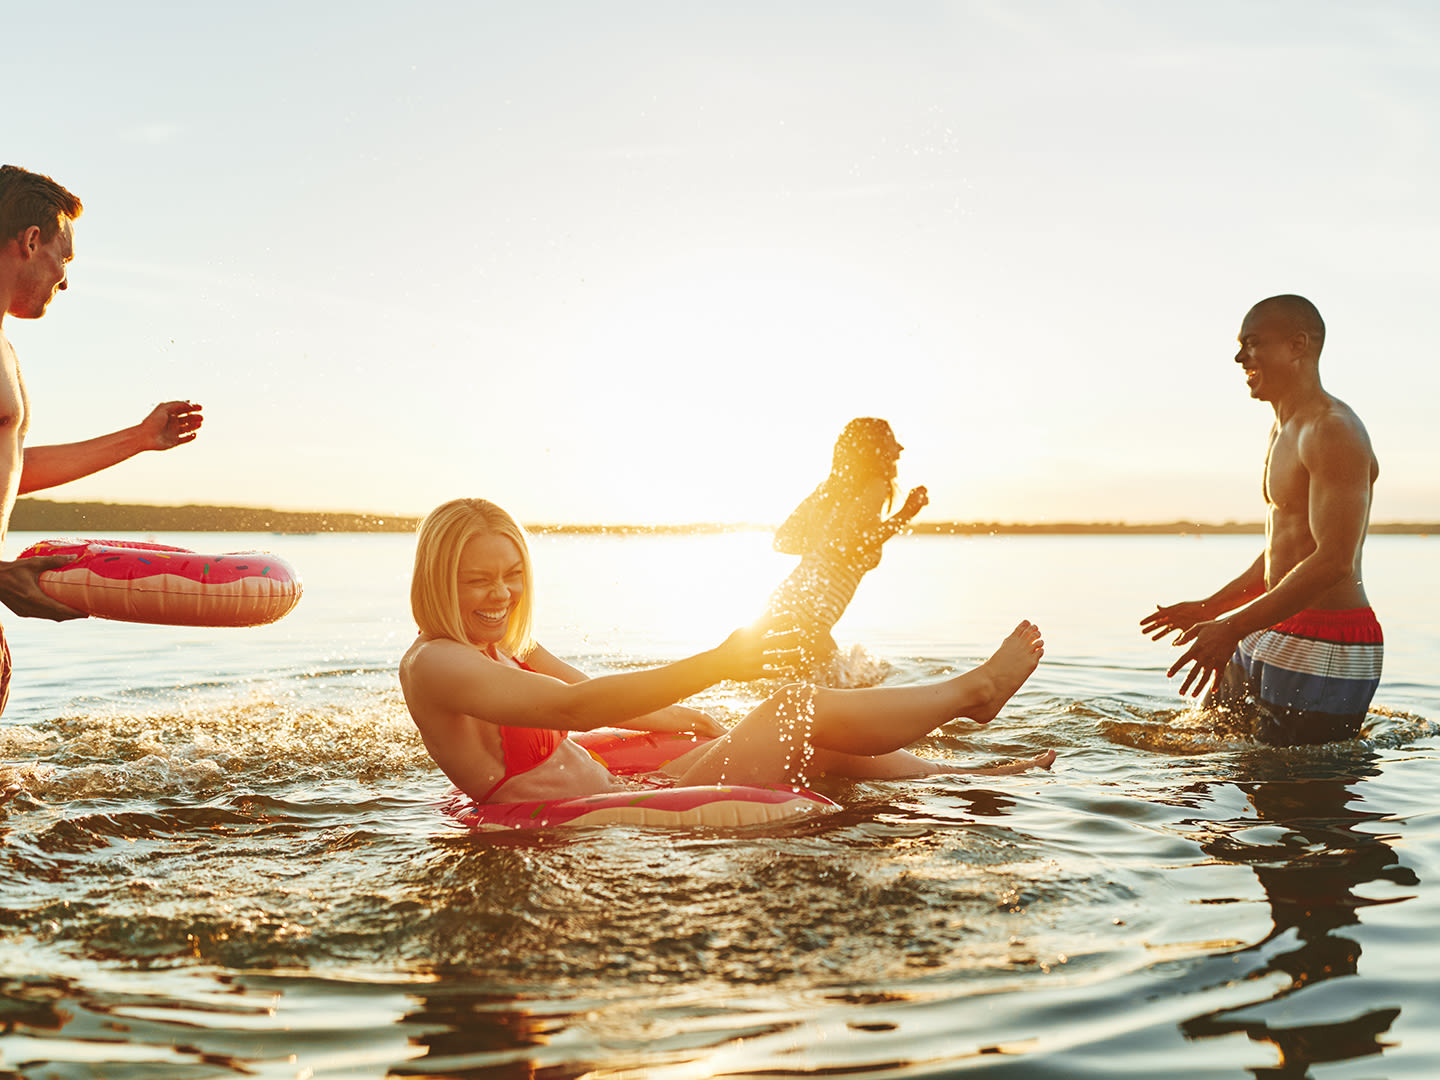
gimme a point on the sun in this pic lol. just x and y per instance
(729, 376)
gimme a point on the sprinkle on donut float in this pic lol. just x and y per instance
(156, 583)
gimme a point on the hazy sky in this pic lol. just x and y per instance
(641, 261)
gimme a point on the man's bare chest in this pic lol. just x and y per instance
(12, 391)
(1287, 483)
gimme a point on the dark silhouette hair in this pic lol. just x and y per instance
(864, 449)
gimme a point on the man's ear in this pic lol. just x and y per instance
(28, 241)
(1299, 343)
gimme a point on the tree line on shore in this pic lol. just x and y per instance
(95, 518)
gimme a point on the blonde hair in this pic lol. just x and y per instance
(434, 586)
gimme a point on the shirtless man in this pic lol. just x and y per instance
(1302, 648)
(37, 242)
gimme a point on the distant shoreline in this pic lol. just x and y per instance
(94, 518)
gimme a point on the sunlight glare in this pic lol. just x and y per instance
(743, 367)
(695, 592)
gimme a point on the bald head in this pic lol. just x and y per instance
(1291, 314)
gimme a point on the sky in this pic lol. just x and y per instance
(639, 262)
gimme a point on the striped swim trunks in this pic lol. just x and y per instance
(1312, 675)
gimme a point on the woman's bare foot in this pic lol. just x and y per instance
(1005, 672)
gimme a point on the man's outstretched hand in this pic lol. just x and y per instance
(1212, 644)
(170, 424)
(1172, 618)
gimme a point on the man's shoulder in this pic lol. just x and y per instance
(1334, 432)
(1333, 419)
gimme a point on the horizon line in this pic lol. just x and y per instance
(38, 515)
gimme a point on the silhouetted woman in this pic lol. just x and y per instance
(838, 532)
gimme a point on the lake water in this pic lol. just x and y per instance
(222, 855)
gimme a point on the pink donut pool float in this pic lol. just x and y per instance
(156, 583)
(627, 753)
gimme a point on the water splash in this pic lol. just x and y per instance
(1200, 731)
(204, 749)
(857, 668)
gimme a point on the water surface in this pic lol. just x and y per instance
(222, 856)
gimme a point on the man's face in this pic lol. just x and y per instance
(44, 273)
(1266, 354)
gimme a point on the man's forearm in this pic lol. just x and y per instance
(1292, 594)
(51, 466)
(1241, 591)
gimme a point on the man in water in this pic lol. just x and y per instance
(1302, 649)
(37, 242)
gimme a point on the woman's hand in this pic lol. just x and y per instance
(743, 655)
(916, 501)
(696, 722)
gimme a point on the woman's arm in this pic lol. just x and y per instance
(677, 718)
(670, 718)
(461, 679)
(547, 663)
(863, 527)
(899, 521)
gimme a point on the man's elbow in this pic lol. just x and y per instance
(1331, 569)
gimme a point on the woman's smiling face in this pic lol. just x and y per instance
(490, 582)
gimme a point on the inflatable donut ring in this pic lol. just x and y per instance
(156, 583)
(629, 752)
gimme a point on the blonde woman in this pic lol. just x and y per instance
(494, 707)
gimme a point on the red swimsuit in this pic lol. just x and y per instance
(523, 748)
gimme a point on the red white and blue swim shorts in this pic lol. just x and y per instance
(1312, 675)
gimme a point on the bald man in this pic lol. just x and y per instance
(1292, 642)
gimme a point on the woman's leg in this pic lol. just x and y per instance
(779, 740)
(903, 765)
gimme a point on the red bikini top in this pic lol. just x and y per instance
(523, 748)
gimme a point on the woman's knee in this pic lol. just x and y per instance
(795, 696)
(788, 707)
